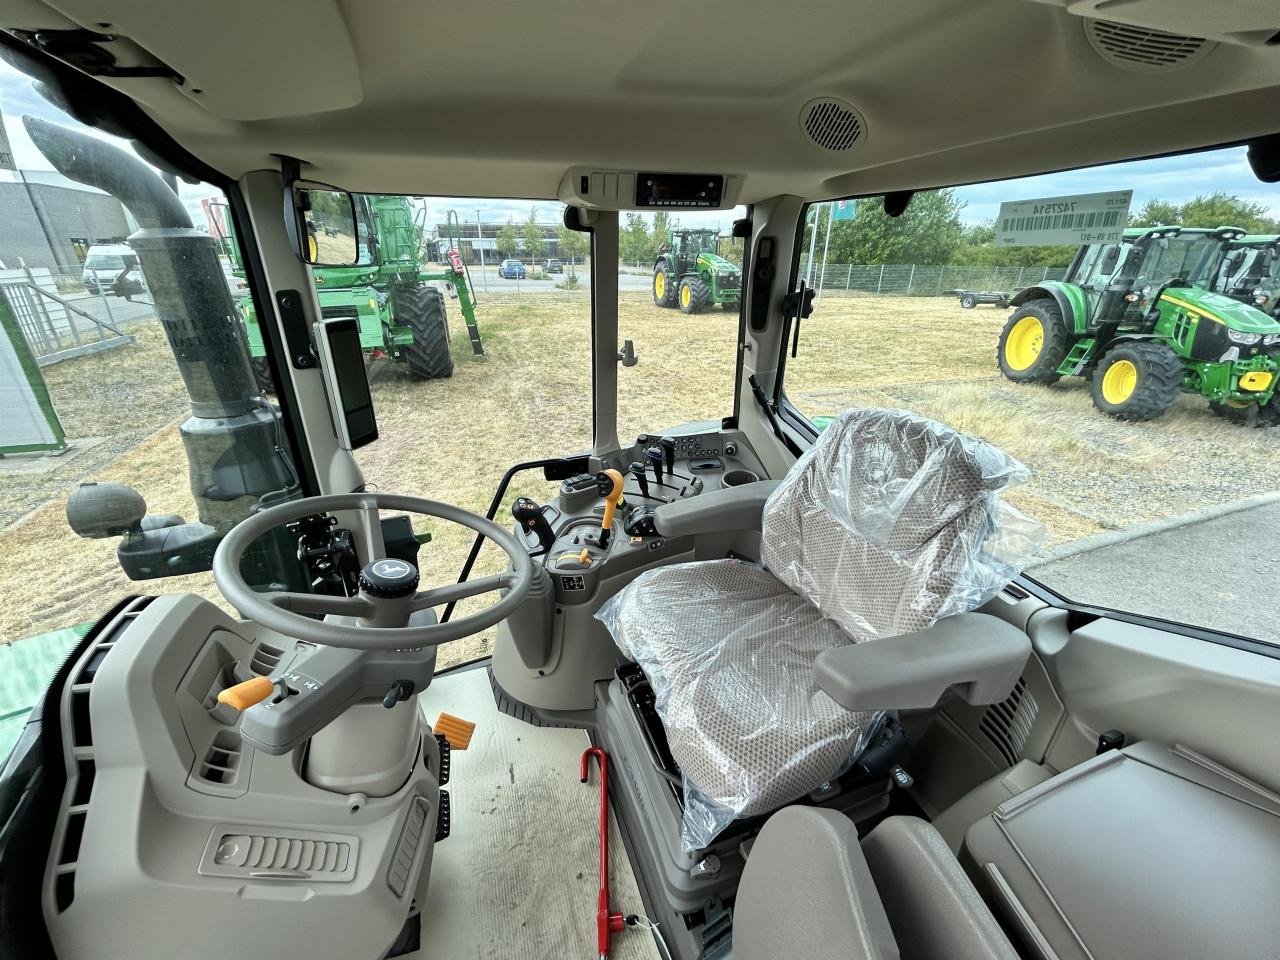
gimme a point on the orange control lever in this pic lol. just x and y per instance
(244, 695)
(609, 483)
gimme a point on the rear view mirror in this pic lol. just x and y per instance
(325, 230)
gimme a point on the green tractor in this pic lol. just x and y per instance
(1251, 272)
(401, 314)
(689, 273)
(1140, 320)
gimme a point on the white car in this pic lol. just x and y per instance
(112, 268)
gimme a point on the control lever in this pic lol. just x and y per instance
(529, 515)
(609, 483)
(656, 458)
(642, 478)
(669, 452)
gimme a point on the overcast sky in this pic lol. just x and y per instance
(1174, 178)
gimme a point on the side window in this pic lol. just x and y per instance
(1148, 415)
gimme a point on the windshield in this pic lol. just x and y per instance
(1148, 415)
(134, 434)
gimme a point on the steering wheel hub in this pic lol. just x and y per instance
(389, 578)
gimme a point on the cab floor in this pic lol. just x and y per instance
(516, 878)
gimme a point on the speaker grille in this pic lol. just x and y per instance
(1143, 49)
(832, 124)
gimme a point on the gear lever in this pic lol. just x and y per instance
(609, 483)
(655, 457)
(642, 478)
(529, 515)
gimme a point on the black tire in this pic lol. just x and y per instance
(667, 298)
(421, 309)
(1152, 384)
(1254, 415)
(1055, 342)
(694, 294)
(262, 375)
(968, 301)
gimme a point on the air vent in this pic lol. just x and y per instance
(265, 659)
(1142, 49)
(235, 850)
(832, 124)
(1008, 724)
(401, 868)
(221, 763)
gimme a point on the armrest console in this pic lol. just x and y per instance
(978, 655)
(716, 511)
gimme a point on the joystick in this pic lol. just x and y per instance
(655, 458)
(609, 484)
(669, 453)
(642, 478)
(529, 515)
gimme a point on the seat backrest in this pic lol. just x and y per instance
(892, 521)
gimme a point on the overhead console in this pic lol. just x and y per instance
(649, 190)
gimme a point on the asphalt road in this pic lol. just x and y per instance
(489, 281)
(1222, 572)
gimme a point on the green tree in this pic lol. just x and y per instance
(928, 232)
(634, 242)
(659, 230)
(1219, 209)
(507, 242)
(533, 242)
(571, 245)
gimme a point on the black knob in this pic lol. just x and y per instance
(389, 578)
(529, 515)
(669, 451)
(656, 459)
(642, 478)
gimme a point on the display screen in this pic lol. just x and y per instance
(353, 382)
(679, 190)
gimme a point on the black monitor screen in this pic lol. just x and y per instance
(353, 383)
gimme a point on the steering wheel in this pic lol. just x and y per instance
(388, 592)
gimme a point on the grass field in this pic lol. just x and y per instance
(530, 397)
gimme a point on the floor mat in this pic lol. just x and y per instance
(516, 878)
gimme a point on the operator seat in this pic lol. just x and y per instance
(886, 525)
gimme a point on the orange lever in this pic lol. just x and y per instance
(244, 695)
(611, 498)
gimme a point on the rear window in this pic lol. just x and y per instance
(105, 261)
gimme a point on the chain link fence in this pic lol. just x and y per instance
(918, 280)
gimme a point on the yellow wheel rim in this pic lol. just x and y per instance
(1119, 382)
(1024, 343)
(659, 285)
(685, 296)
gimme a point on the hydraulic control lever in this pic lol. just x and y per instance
(528, 513)
(609, 483)
(655, 458)
(642, 478)
(669, 454)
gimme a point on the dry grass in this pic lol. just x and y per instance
(529, 397)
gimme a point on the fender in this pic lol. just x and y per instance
(1068, 297)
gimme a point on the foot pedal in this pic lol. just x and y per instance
(442, 817)
(456, 730)
(442, 776)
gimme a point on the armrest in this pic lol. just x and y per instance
(978, 655)
(716, 511)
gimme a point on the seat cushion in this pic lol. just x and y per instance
(729, 651)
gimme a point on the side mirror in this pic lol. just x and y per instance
(1109, 260)
(323, 225)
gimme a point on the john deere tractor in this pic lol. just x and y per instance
(1250, 272)
(690, 274)
(400, 312)
(1138, 319)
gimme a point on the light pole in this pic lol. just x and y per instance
(484, 277)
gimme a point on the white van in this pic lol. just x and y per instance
(105, 262)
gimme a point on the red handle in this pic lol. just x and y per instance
(606, 923)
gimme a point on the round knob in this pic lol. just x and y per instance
(389, 578)
(730, 448)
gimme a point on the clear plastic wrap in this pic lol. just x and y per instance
(888, 523)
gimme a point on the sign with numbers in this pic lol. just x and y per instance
(843, 209)
(1084, 218)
